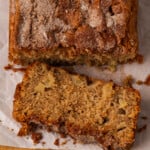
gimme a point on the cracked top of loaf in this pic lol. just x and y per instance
(67, 29)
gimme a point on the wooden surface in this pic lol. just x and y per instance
(13, 148)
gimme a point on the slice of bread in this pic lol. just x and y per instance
(88, 110)
(79, 31)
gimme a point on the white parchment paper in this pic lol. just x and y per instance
(9, 79)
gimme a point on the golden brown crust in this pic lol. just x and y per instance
(86, 109)
(80, 51)
(11, 26)
(12, 29)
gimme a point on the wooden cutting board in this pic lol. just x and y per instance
(13, 148)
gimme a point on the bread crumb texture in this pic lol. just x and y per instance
(88, 110)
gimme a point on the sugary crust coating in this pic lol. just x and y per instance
(78, 31)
